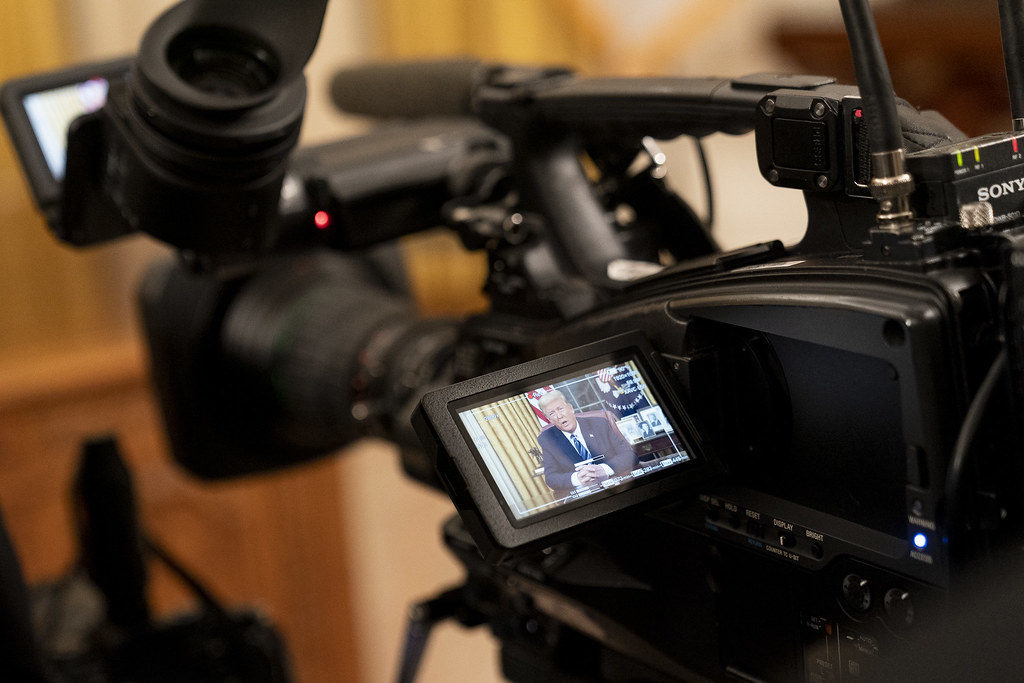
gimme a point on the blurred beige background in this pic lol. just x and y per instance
(61, 308)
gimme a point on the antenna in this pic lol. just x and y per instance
(1011, 28)
(891, 183)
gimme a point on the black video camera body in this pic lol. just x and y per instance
(789, 462)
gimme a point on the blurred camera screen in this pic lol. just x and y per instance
(572, 437)
(52, 111)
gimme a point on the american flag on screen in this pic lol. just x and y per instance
(533, 397)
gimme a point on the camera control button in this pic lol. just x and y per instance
(787, 540)
(899, 608)
(817, 552)
(857, 593)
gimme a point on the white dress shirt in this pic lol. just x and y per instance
(575, 478)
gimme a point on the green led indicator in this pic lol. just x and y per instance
(959, 159)
(977, 155)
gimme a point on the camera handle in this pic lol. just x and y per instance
(552, 117)
(514, 98)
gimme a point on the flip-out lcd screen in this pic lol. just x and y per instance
(572, 437)
(52, 111)
(537, 451)
(38, 111)
(562, 439)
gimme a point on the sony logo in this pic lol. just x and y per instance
(999, 189)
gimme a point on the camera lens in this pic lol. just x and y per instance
(328, 352)
(228, 63)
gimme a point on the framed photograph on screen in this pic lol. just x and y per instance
(656, 418)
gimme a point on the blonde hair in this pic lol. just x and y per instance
(550, 397)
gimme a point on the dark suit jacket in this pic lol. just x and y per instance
(602, 437)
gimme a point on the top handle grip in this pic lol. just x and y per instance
(665, 108)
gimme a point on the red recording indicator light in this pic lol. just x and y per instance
(858, 113)
(1014, 142)
(322, 220)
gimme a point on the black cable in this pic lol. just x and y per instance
(1011, 27)
(873, 79)
(709, 190)
(186, 577)
(968, 430)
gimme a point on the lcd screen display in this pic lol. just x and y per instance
(564, 439)
(51, 112)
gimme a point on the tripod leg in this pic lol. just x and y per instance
(423, 617)
(20, 657)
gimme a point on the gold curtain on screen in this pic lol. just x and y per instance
(512, 434)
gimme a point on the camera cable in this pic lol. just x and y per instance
(709, 190)
(968, 430)
(209, 602)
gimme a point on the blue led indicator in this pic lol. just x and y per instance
(920, 540)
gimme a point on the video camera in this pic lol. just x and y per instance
(796, 462)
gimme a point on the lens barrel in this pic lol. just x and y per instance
(306, 355)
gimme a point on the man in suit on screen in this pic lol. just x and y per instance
(579, 451)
